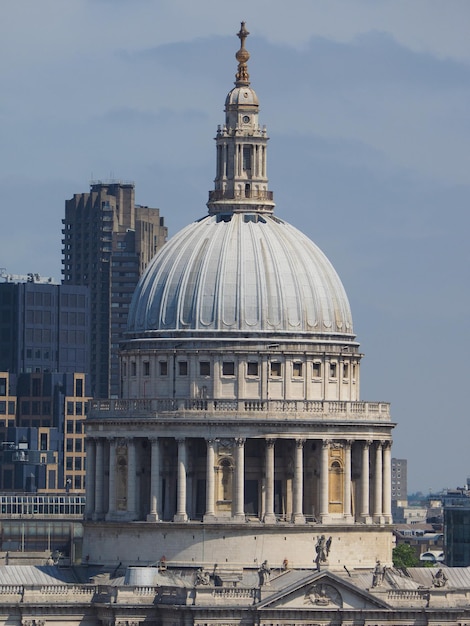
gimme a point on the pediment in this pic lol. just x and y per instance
(319, 591)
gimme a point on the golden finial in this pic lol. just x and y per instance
(242, 56)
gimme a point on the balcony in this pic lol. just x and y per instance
(249, 409)
(230, 194)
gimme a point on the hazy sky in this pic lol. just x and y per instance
(367, 103)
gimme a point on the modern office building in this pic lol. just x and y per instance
(457, 528)
(42, 432)
(108, 241)
(44, 327)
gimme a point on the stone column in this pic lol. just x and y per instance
(99, 479)
(324, 481)
(347, 481)
(168, 488)
(155, 484)
(387, 482)
(378, 483)
(269, 516)
(365, 483)
(181, 515)
(131, 479)
(210, 481)
(298, 512)
(239, 509)
(112, 479)
(90, 478)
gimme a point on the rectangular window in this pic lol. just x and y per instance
(36, 387)
(146, 368)
(133, 368)
(3, 407)
(69, 444)
(228, 368)
(204, 368)
(69, 463)
(79, 387)
(276, 368)
(252, 368)
(333, 368)
(247, 152)
(3, 386)
(78, 445)
(345, 370)
(69, 427)
(297, 370)
(316, 370)
(183, 368)
(124, 369)
(43, 441)
(78, 463)
(70, 407)
(79, 408)
(163, 365)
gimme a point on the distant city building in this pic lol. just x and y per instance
(108, 241)
(457, 527)
(399, 480)
(42, 446)
(50, 527)
(44, 327)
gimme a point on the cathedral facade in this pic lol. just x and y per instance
(240, 436)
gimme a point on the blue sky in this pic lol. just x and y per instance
(367, 104)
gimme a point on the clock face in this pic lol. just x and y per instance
(246, 119)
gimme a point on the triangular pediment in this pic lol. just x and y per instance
(317, 591)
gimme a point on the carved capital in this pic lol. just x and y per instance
(240, 441)
(336, 445)
(270, 443)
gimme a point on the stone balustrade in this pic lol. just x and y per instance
(241, 408)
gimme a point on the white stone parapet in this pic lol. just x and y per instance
(228, 409)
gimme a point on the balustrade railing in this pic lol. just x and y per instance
(237, 194)
(193, 407)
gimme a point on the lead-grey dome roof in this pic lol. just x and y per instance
(250, 274)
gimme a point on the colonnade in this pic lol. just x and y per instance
(363, 495)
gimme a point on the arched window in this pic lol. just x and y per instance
(336, 487)
(225, 478)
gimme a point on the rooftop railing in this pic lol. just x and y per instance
(231, 194)
(240, 408)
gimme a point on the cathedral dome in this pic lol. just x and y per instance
(240, 270)
(242, 96)
(244, 273)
